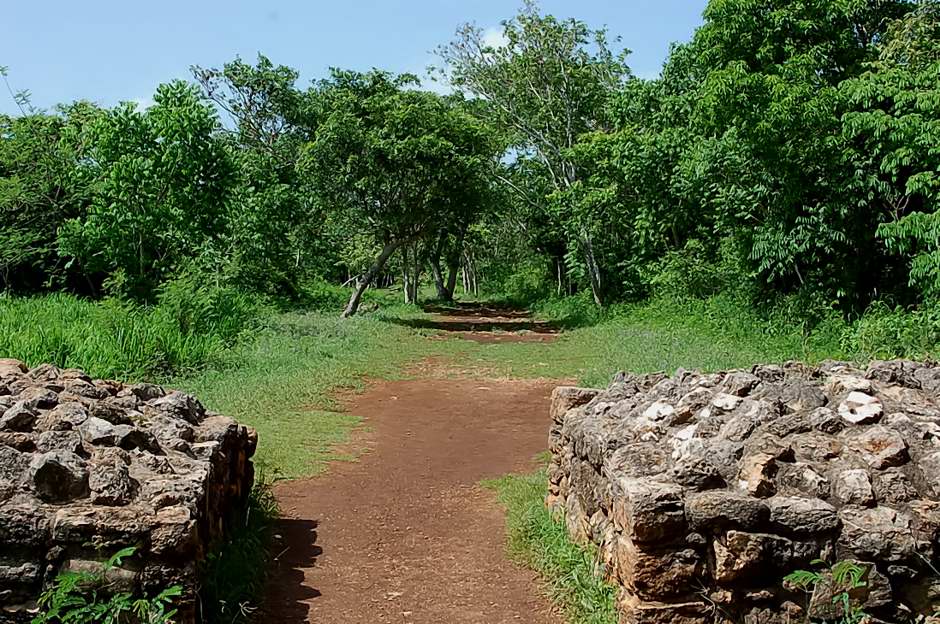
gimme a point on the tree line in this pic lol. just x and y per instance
(789, 151)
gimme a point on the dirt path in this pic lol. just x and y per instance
(406, 534)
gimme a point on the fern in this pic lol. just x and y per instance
(84, 598)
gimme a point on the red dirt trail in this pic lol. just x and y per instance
(406, 534)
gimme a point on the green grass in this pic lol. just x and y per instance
(235, 572)
(278, 372)
(286, 382)
(120, 340)
(541, 543)
(651, 337)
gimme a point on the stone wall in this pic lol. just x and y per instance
(88, 467)
(702, 492)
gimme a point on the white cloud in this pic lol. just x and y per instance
(494, 37)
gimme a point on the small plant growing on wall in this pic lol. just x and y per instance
(833, 587)
(86, 598)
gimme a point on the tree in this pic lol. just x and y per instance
(392, 162)
(895, 134)
(278, 235)
(161, 182)
(40, 189)
(544, 87)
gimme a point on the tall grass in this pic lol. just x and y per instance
(709, 334)
(122, 340)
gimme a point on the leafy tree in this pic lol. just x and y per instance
(160, 183)
(40, 189)
(277, 234)
(544, 88)
(392, 162)
(895, 129)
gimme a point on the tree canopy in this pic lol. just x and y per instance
(787, 153)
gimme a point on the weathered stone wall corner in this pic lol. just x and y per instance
(702, 491)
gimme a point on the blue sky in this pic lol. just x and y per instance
(109, 50)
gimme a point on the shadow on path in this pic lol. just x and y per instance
(296, 551)
(483, 323)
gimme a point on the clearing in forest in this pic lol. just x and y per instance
(406, 534)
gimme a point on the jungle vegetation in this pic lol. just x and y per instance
(787, 159)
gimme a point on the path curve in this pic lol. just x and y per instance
(406, 534)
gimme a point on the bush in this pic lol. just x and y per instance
(575, 311)
(885, 333)
(527, 282)
(197, 308)
(698, 273)
(321, 295)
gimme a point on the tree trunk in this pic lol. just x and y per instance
(405, 277)
(445, 289)
(416, 275)
(366, 280)
(468, 274)
(442, 291)
(434, 259)
(453, 267)
(594, 271)
(470, 271)
(559, 266)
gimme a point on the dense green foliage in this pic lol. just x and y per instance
(787, 156)
(789, 151)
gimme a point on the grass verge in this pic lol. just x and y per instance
(539, 542)
(651, 337)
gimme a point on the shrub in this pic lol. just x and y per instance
(321, 295)
(884, 332)
(836, 585)
(697, 272)
(576, 311)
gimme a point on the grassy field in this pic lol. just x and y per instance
(281, 371)
(651, 337)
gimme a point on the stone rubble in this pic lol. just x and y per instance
(88, 467)
(702, 492)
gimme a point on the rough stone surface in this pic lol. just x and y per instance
(88, 467)
(702, 491)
